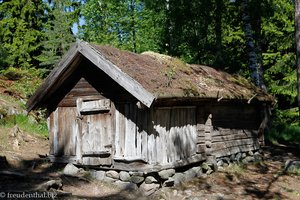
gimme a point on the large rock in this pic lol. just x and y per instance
(150, 179)
(179, 178)
(126, 185)
(238, 156)
(98, 175)
(109, 179)
(137, 179)
(148, 189)
(292, 165)
(52, 184)
(198, 171)
(189, 174)
(124, 176)
(165, 174)
(71, 170)
(248, 159)
(112, 174)
(220, 163)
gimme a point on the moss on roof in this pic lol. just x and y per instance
(168, 77)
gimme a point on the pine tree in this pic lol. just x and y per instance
(297, 40)
(58, 34)
(21, 31)
(124, 24)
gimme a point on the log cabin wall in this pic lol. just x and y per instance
(225, 129)
(161, 135)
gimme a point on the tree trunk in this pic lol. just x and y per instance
(254, 66)
(297, 40)
(218, 31)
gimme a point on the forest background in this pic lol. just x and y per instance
(253, 38)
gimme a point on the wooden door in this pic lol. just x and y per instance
(95, 132)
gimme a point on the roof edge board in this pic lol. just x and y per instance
(125, 81)
(54, 75)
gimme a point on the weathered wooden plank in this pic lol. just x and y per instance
(233, 143)
(139, 122)
(78, 140)
(144, 135)
(55, 132)
(161, 124)
(128, 83)
(241, 135)
(130, 131)
(234, 149)
(96, 105)
(50, 124)
(201, 148)
(56, 77)
(122, 129)
(117, 132)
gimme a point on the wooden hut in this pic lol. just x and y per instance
(117, 109)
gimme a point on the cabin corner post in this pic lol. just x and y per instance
(78, 131)
(265, 116)
(208, 129)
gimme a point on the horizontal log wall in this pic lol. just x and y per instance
(227, 129)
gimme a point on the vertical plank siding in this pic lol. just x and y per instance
(162, 135)
(62, 131)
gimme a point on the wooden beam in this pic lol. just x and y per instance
(55, 78)
(124, 80)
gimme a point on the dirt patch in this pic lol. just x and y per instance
(261, 180)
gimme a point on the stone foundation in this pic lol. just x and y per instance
(148, 183)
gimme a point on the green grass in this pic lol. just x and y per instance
(26, 124)
(284, 133)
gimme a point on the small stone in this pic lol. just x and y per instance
(238, 156)
(205, 167)
(189, 174)
(169, 182)
(244, 155)
(257, 153)
(98, 175)
(112, 174)
(165, 174)
(124, 176)
(136, 173)
(209, 172)
(198, 171)
(71, 170)
(257, 157)
(248, 159)
(148, 189)
(137, 179)
(250, 153)
(150, 179)
(232, 158)
(126, 185)
(292, 165)
(220, 163)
